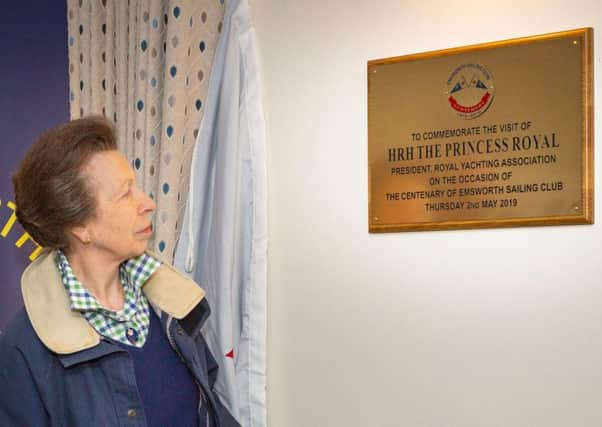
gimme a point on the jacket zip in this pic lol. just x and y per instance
(202, 394)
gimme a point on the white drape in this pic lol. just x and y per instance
(223, 243)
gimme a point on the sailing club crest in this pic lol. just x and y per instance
(470, 90)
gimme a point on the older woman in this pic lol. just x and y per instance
(109, 335)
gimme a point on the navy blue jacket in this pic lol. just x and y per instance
(48, 378)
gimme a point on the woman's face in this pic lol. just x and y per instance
(122, 226)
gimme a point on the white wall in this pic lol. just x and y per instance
(456, 328)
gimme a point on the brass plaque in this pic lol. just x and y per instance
(491, 135)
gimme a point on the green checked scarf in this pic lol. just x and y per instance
(128, 325)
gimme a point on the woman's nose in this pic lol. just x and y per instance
(146, 204)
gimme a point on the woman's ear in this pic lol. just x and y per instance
(81, 233)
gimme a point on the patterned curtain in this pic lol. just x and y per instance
(145, 64)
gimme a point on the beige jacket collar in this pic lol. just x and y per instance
(65, 331)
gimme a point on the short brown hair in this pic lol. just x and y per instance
(51, 192)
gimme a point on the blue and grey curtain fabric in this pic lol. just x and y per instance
(145, 64)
